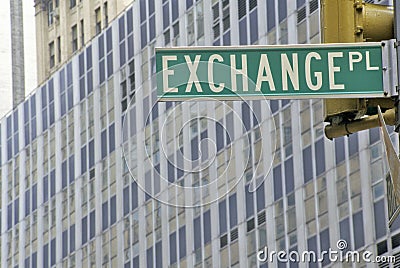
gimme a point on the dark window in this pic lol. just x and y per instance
(242, 30)
(64, 244)
(207, 226)
(74, 38)
(277, 175)
(270, 15)
(92, 224)
(16, 211)
(71, 167)
(324, 242)
(27, 202)
(72, 239)
(260, 198)
(72, 3)
(373, 135)
(358, 225)
(197, 233)
(111, 133)
(182, 242)
(45, 189)
(52, 183)
(320, 156)
(282, 10)
(83, 160)
(84, 230)
(249, 203)
(232, 211)
(45, 256)
(353, 144)
(345, 231)
(289, 175)
(53, 252)
(253, 27)
(159, 254)
(113, 210)
(52, 56)
(34, 197)
(222, 217)
(380, 219)
(307, 164)
(134, 195)
(339, 150)
(103, 143)
(105, 215)
(172, 248)
(126, 200)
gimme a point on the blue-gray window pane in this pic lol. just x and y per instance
(121, 24)
(195, 148)
(289, 175)
(358, 226)
(134, 195)
(339, 149)
(71, 167)
(143, 35)
(282, 6)
(175, 9)
(320, 156)
(260, 198)
(70, 98)
(380, 219)
(72, 239)
(44, 102)
(34, 197)
(51, 90)
(84, 230)
(9, 216)
(64, 174)
(53, 252)
(33, 128)
(81, 64)
(83, 160)
(166, 15)
(92, 224)
(129, 20)
(232, 211)
(222, 217)
(324, 242)
(300, 3)
(45, 188)
(182, 242)
(172, 248)
(307, 164)
(373, 135)
(101, 46)
(16, 211)
(33, 106)
(312, 246)
(34, 260)
(110, 65)
(52, 183)
(89, 58)
(353, 144)
(189, 3)
(344, 227)
(159, 254)
(151, 7)
(102, 70)
(142, 10)
(62, 81)
(104, 215)
(91, 153)
(122, 54)
(253, 26)
(113, 210)
(277, 175)
(27, 202)
(246, 115)
(130, 46)
(227, 38)
(126, 200)
(219, 135)
(89, 81)
(69, 78)
(207, 227)
(197, 233)
(243, 31)
(152, 27)
(109, 39)
(270, 14)
(249, 203)
(46, 256)
(65, 243)
(111, 133)
(103, 143)
(52, 114)
(82, 89)
(63, 104)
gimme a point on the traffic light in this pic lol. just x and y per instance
(349, 21)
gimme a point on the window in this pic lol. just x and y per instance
(82, 34)
(74, 38)
(98, 20)
(50, 12)
(72, 3)
(105, 14)
(51, 55)
(59, 49)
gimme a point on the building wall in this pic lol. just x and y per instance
(55, 21)
(68, 154)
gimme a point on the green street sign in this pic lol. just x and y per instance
(280, 72)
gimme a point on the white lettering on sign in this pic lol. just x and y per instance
(293, 72)
(368, 63)
(264, 67)
(235, 72)
(167, 73)
(317, 75)
(353, 60)
(193, 73)
(214, 57)
(332, 69)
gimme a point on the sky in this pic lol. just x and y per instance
(5, 54)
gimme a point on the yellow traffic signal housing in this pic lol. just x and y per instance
(349, 21)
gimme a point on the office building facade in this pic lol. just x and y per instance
(69, 152)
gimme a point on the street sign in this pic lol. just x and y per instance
(280, 72)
